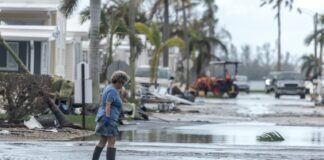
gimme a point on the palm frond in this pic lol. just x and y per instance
(270, 137)
(312, 36)
(156, 35)
(308, 40)
(68, 6)
(220, 43)
(143, 29)
(85, 15)
(173, 42)
(156, 6)
(321, 19)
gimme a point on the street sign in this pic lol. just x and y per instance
(83, 88)
(78, 91)
(86, 71)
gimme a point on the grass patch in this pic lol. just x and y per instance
(215, 96)
(89, 120)
(270, 137)
(2, 116)
(257, 91)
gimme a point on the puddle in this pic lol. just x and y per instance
(228, 133)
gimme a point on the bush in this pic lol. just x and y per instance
(22, 94)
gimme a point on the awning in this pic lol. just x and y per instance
(15, 32)
(29, 5)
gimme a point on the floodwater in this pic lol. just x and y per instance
(235, 141)
(226, 134)
(226, 141)
(258, 103)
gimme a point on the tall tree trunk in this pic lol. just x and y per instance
(14, 55)
(132, 46)
(320, 59)
(279, 37)
(186, 50)
(166, 33)
(94, 48)
(63, 121)
(108, 59)
(315, 42)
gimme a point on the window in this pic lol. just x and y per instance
(10, 63)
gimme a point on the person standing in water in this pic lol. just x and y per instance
(108, 114)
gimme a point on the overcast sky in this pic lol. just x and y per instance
(250, 24)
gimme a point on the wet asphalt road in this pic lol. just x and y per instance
(156, 151)
(144, 148)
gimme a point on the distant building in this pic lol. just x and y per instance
(36, 30)
(121, 52)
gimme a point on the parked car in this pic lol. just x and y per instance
(290, 83)
(242, 82)
(143, 72)
(269, 81)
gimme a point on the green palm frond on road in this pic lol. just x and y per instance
(270, 137)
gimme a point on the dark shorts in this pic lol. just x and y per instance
(107, 131)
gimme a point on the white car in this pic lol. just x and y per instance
(290, 83)
(142, 76)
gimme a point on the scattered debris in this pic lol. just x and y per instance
(193, 111)
(4, 132)
(54, 130)
(33, 123)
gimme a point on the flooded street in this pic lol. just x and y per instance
(223, 129)
(157, 151)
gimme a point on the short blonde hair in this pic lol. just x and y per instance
(119, 76)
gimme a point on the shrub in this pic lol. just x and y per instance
(22, 94)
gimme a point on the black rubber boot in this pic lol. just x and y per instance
(111, 153)
(96, 153)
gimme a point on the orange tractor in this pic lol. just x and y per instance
(219, 85)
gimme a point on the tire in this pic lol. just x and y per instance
(247, 91)
(235, 93)
(277, 95)
(302, 96)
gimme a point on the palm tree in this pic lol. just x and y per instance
(115, 21)
(166, 32)
(318, 37)
(131, 27)
(202, 43)
(209, 16)
(153, 35)
(186, 38)
(309, 64)
(67, 7)
(111, 23)
(278, 5)
(63, 121)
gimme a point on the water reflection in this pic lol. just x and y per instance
(232, 134)
(164, 136)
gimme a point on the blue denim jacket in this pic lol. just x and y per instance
(110, 94)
